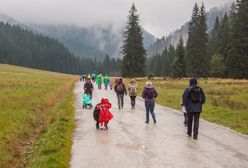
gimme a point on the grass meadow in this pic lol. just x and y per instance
(227, 99)
(36, 117)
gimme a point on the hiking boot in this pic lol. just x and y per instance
(147, 121)
(154, 121)
(189, 134)
(195, 137)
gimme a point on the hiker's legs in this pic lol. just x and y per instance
(185, 118)
(147, 105)
(196, 123)
(97, 125)
(122, 100)
(190, 119)
(119, 100)
(132, 101)
(152, 105)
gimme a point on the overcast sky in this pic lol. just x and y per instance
(159, 17)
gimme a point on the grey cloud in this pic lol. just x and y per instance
(159, 17)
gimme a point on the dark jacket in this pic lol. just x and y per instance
(124, 91)
(145, 96)
(189, 104)
(88, 88)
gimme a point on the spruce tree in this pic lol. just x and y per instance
(237, 60)
(197, 44)
(213, 40)
(178, 66)
(134, 54)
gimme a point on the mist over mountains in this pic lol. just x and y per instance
(93, 42)
(98, 41)
(173, 38)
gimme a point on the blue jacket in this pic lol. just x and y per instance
(192, 106)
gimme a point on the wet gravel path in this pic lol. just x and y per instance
(130, 143)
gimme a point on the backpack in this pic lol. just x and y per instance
(119, 88)
(133, 89)
(150, 93)
(195, 94)
(96, 112)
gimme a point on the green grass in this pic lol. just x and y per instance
(226, 99)
(29, 105)
(53, 148)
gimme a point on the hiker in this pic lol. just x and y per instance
(120, 90)
(106, 81)
(102, 115)
(88, 87)
(193, 99)
(110, 84)
(150, 94)
(185, 115)
(93, 77)
(99, 81)
(132, 92)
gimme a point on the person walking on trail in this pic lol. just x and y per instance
(88, 87)
(132, 88)
(120, 90)
(106, 81)
(150, 94)
(93, 77)
(99, 81)
(193, 99)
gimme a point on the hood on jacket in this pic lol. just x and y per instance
(120, 81)
(193, 81)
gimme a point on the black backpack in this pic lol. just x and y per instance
(150, 93)
(96, 112)
(195, 94)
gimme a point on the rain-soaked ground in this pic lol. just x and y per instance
(131, 143)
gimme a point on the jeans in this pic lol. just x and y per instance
(193, 116)
(133, 100)
(120, 98)
(150, 109)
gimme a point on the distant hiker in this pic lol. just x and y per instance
(81, 78)
(185, 115)
(102, 115)
(110, 84)
(87, 102)
(132, 92)
(93, 77)
(193, 99)
(106, 81)
(116, 81)
(120, 90)
(99, 81)
(150, 94)
(88, 87)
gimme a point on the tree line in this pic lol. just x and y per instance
(222, 52)
(25, 48)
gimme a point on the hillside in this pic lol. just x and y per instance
(93, 42)
(173, 38)
(35, 103)
(22, 47)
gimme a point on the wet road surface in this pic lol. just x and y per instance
(131, 143)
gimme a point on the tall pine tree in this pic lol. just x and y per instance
(134, 54)
(178, 66)
(197, 44)
(237, 59)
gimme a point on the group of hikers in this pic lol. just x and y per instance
(192, 100)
